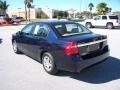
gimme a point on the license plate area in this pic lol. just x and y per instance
(89, 48)
(93, 47)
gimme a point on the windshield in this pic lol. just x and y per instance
(71, 29)
(18, 17)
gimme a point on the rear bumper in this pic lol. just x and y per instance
(77, 63)
(117, 24)
(85, 63)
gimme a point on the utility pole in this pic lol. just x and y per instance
(86, 6)
(80, 7)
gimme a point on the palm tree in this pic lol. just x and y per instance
(26, 2)
(90, 8)
(109, 10)
(29, 6)
(3, 6)
(103, 9)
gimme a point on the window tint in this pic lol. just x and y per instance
(113, 17)
(71, 29)
(104, 17)
(41, 30)
(19, 17)
(28, 29)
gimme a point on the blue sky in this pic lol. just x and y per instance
(65, 4)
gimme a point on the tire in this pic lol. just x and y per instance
(88, 25)
(109, 25)
(15, 48)
(49, 63)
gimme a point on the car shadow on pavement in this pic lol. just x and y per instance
(101, 73)
(0, 40)
(103, 28)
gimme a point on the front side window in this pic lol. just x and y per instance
(71, 29)
(28, 29)
(97, 18)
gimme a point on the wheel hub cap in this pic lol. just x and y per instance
(15, 46)
(47, 63)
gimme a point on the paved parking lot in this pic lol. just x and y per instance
(19, 72)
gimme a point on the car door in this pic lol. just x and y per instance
(39, 41)
(96, 21)
(104, 20)
(24, 38)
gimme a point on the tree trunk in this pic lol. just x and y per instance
(90, 14)
(25, 12)
(29, 14)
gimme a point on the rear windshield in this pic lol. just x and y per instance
(113, 17)
(71, 29)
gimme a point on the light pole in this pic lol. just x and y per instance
(80, 7)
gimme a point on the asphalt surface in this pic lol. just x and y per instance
(19, 72)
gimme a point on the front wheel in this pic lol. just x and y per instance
(49, 63)
(15, 47)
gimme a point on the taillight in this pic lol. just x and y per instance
(71, 48)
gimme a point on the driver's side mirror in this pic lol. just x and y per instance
(19, 33)
(95, 18)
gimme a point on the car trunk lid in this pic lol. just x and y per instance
(88, 42)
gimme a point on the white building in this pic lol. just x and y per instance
(72, 13)
(35, 13)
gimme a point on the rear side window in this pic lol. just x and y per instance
(113, 17)
(104, 17)
(41, 30)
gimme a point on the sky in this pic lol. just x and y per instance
(79, 5)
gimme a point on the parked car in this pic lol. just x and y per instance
(0, 40)
(5, 20)
(17, 19)
(61, 45)
(109, 21)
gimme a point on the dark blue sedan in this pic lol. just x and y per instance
(61, 45)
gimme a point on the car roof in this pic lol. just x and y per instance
(56, 22)
(106, 15)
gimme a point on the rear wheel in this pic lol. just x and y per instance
(49, 63)
(88, 25)
(15, 47)
(110, 26)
